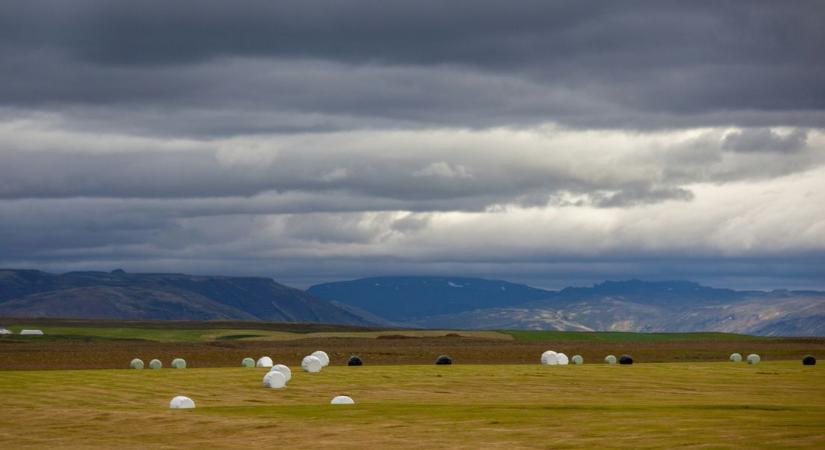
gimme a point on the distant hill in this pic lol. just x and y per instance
(409, 298)
(121, 295)
(632, 305)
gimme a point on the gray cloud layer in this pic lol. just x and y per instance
(313, 140)
(330, 64)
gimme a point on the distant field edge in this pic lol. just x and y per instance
(294, 327)
(632, 336)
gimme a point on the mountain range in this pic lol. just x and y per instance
(633, 305)
(121, 295)
(418, 302)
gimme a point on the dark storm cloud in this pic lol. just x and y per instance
(317, 140)
(467, 63)
(765, 140)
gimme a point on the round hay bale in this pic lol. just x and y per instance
(577, 360)
(274, 379)
(155, 364)
(181, 402)
(626, 360)
(264, 361)
(610, 359)
(322, 355)
(178, 363)
(753, 358)
(342, 400)
(549, 358)
(809, 360)
(563, 359)
(311, 364)
(355, 360)
(283, 369)
(136, 363)
(248, 362)
(735, 357)
(443, 360)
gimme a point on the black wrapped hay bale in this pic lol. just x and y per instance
(355, 360)
(808, 360)
(625, 359)
(444, 360)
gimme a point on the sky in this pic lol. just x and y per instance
(551, 143)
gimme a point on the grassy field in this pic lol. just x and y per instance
(662, 405)
(623, 336)
(78, 344)
(213, 333)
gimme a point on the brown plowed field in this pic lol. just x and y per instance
(78, 354)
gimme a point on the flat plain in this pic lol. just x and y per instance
(681, 393)
(74, 344)
(654, 405)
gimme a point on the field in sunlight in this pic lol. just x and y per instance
(656, 405)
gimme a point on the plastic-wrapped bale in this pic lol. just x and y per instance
(610, 359)
(178, 363)
(31, 333)
(155, 364)
(248, 362)
(322, 355)
(136, 363)
(753, 358)
(264, 361)
(809, 360)
(4, 332)
(342, 400)
(311, 364)
(735, 357)
(550, 358)
(443, 360)
(181, 402)
(626, 360)
(563, 359)
(577, 360)
(283, 369)
(355, 360)
(274, 379)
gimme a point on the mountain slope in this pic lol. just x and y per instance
(119, 295)
(406, 298)
(631, 305)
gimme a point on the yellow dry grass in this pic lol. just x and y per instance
(669, 405)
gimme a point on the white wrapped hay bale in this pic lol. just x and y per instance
(322, 355)
(5, 332)
(311, 364)
(342, 400)
(563, 359)
(284, 370)
(31, 333)
(136, 363)
(753, 358)
(248, 362)
(264, 361)
(155, 364)
(577, 360)
(610, 359)
(181, 402)
(549, 358)
(274, 380)
(735, 357)
(178, 363)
